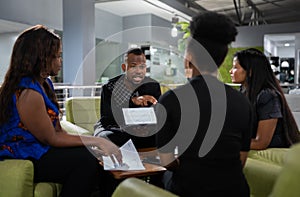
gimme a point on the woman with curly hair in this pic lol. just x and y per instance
(208, 121)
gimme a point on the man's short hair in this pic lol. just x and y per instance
(135, 51)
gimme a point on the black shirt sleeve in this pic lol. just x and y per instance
(268, 105)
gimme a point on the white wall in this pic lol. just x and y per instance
(254, 35)
(32, 12)
(297, 59)
(286, 52)
(6, 44)
(106, 24)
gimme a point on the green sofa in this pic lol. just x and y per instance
(134, 187)
(16, 176)
(274, 172)
(287, 183)
(16, 180)
(263, 168)
(271, 173)
(81, 115)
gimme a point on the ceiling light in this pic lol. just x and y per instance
(287, 44)
(174, 31)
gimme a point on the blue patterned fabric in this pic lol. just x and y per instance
(15, 140)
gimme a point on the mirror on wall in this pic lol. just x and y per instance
(280, 48)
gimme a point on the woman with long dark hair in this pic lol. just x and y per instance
(276, 126)
(29, 118)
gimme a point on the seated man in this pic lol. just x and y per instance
(129, 90)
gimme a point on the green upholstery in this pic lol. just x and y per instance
(273, 171)
(264, 168)
(134, 187)
(261, 176)
(16, 180)
(287, 182)
(272, 155)
(83, 112)
(16, 176)
(47, 189)
(74, 129)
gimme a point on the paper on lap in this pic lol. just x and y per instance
(130, 157)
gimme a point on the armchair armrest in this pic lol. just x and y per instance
(74, 129)
(261, 176)
(135, 187)
(16, 178)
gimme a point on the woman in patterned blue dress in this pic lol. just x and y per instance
(29, 118)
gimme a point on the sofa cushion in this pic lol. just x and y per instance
(261, 176)
(83, 111)
(287, 183)
(47, 189)
(262, 169)
(134, 187)
(16, 178)
(271, 155)
(74, 129)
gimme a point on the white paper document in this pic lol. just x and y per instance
(141, 115)
(130, 157)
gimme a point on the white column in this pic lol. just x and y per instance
(79, 42)
(297, 58)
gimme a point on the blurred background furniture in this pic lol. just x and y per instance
(293, 101)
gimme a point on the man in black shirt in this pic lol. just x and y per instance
(129, 90)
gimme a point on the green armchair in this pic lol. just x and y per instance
(274, 172)
(16, 176)
(16, 180)
(287, 182)
(134, 187)
(264, 168)
(81, 115)
(261, 170)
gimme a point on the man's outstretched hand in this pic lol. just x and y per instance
(144, 100)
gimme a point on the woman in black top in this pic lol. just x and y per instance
(208, 121)
(275, 125)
